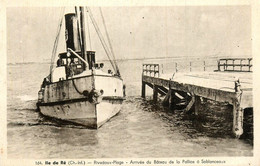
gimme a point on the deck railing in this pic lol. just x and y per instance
(235, 64)
(151, 70)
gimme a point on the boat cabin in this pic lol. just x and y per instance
(69, 65)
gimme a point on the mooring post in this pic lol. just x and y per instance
(155, 93)
(143, 89)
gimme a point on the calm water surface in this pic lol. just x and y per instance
(141, 129)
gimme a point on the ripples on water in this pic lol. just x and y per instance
(141, 129)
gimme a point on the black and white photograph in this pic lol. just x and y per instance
(129, 85)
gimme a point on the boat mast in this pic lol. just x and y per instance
(83, 35)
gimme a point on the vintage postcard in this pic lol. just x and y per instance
(129, 83)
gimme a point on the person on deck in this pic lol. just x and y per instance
(59, 62)
(69, 67)
(71, 64)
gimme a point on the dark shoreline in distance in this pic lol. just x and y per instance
(131, 59)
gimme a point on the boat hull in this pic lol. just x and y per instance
(89, 100)
(83, 112)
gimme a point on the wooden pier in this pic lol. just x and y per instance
(224, 85)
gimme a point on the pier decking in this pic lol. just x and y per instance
(227, 86)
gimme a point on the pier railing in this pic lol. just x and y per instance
(151, 70)
(224, 64)
(235, 64)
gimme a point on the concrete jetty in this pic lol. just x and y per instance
(232, 83)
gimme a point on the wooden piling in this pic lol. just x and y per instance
(170, 95)
(165, 101)
(143, 89)
(238, 116)
(171, 99)
(155, 93)
(196, 105)
(190, 104)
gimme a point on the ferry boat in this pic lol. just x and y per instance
(77, 89)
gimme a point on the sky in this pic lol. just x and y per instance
(136, 32)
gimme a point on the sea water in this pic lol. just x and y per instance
(142, 128)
